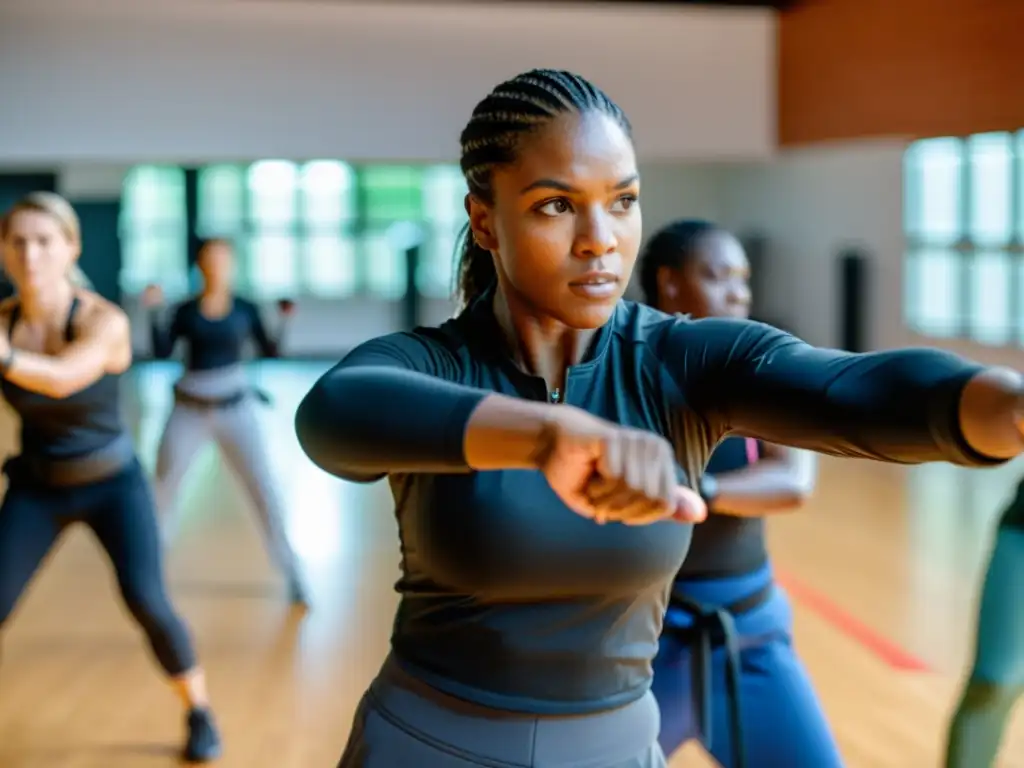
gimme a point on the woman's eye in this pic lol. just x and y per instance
(554, 207)
(624, 203)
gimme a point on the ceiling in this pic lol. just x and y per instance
(777, 4)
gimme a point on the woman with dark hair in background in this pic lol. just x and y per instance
(726, 672)
(526, 628)
(62, 351)
(996, 681)
(213, 400)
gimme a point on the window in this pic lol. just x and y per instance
(329, 208)
(293, 225)
(325, 228)
(444, 195)
(386, 266)
(221, 201)
(154, 230)
(964, 221)
(391, 195)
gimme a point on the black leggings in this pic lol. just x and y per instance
(119, 510)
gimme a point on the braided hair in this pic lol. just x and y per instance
(671, 246)
(491, 138)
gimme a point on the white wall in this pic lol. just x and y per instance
(201, 80)
(811, 204)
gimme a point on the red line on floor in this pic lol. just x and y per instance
(851, 626)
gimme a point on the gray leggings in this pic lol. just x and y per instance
(401, 723)
(235, 429)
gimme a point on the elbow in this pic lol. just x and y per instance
(309, 429)
(324, 440)
(57, 388)
(58, 392)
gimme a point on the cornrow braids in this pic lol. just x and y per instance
(671, 246)
(491, 138)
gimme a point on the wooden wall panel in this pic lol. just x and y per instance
(915, 68)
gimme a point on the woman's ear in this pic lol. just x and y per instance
(481, 223)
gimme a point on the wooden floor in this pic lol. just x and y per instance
(898, 550)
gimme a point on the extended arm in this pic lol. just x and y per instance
(781, 481)
(103, 347)
(906, 406)
(265, 346)
(393, 406)
(164, 336)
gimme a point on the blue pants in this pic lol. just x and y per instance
(782, 720)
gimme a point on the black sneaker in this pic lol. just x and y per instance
(203, 744)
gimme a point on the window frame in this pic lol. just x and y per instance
(967, 249)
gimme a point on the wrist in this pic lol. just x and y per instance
(509, 433)
(708, 489)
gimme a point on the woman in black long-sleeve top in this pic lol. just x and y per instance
(215, 402)
(526, 631)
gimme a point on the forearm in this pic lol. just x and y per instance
(267, 347)
(899, 406)
(47, 375)
(270, 348)
(160, 337)
(369, 421)
(762, 489)
(507, 433)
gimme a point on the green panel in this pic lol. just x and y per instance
(153, 194)
(444, 191)
(391, 193)
(221, 201)
(159, 258)
(435, 273)
(384, 265)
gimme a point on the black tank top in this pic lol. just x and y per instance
(69, 427)
(726, 545)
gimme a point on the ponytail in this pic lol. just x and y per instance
(475, 270)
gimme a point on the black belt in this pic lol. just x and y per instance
(715, 625)
(228, 401)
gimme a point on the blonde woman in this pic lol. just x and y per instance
(62, 351)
